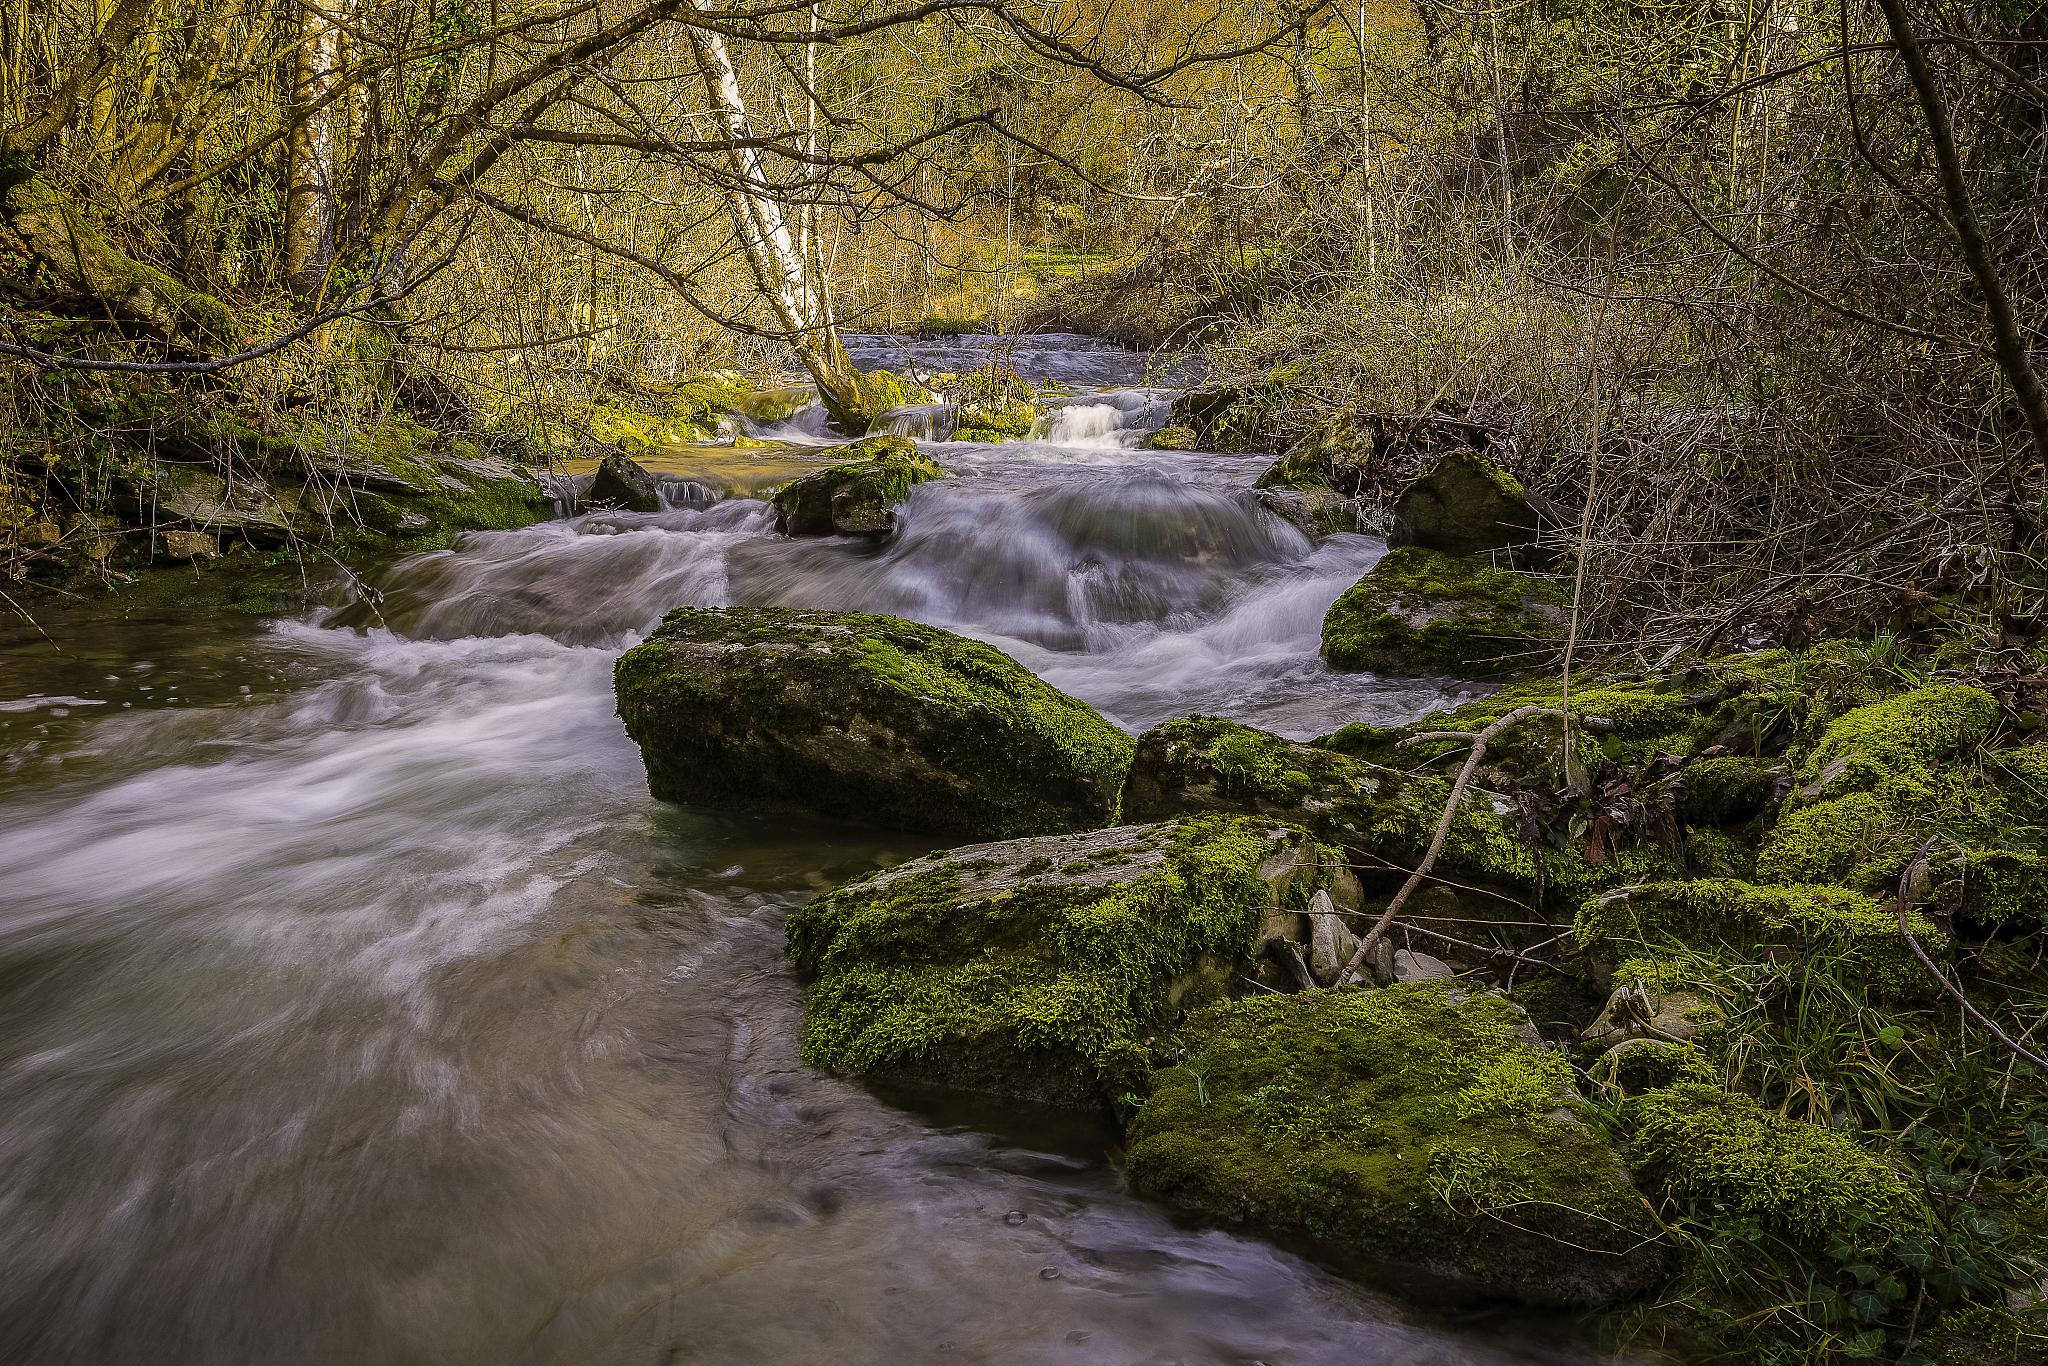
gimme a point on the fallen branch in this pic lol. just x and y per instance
(1904, 906)
(1479, 740)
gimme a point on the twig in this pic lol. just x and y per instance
(1904, 906)
(1480, 739)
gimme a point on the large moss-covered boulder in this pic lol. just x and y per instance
(1464, 505)
(1041, 969)
(1750, 923)
(867, 717)
(1420, 611)
(1418, 1129)
(858, 496)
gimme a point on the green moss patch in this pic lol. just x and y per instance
(1413, 1128)
(1042, 968)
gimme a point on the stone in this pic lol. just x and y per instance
(865, 717)
(622, 483)
(1172, 438)
(200, 499)
(857, 497)
(1464, 505)
(1421, 611)
(1410, 966)
(1040, 969)
(1411, 1131)
(188, 545)
(1633, 1011)
(1331, 942)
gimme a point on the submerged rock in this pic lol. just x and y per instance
(867, 717)
(1420, 611)
(1040, 969)
(1464, 505)
(859, 496)
(1414, 1129)
(620, 482)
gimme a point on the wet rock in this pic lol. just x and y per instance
(1172, 438)
(1412, 1128)
(193, 498)
(188, 545)
(866, 717)
(1040, 969)
(1318, 512)
(1331, 942)
(1464, 505)
(1419, 611)
(857, 497)
(1410, 966)
(622, 483)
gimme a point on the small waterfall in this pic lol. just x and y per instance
(1106, 421)
(919, 422)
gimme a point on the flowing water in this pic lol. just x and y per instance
(357, 1004)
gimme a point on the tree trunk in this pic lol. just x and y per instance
(309, 193)
(795, 293)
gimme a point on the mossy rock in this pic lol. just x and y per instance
(1416, 1129)
(1883, 778)
(1040, 969)
(867, 717)
(1464, 505)
(881, 390)
(1379, 813)
(1336, 457)
(621, 483)
(1421, 611)
(1750, 922)
(1171, 438)
(857, 497)
(1203, 763)
(1723, 1158)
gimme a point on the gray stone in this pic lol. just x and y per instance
(1331, 942)
(1410, 966)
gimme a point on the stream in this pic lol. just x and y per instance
(358, 1005)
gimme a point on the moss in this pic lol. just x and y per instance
(881, 390)
(1986, 1335)
(858, 496)
(1995, 889)
(1727, 789)
(1882, 778)
(1412, 1127)
(1641, 1065)
(1748, 922)
(1171, 438)
(1046, 983)
(864, 716)
(1421, 611)
(1721, 1157)
(1202, 763)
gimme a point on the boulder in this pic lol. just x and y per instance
(866, 717)
(1410, 966)
(857, 497)
(1040, 969)
(1331, 942)
(1464, 505)
(1420, 611)
(188, 545)
(1413, 1130)
(622, 483)
(1636, 1011)
(200, 499)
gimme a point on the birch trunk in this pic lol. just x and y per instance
(309, 194)
(783, 269)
